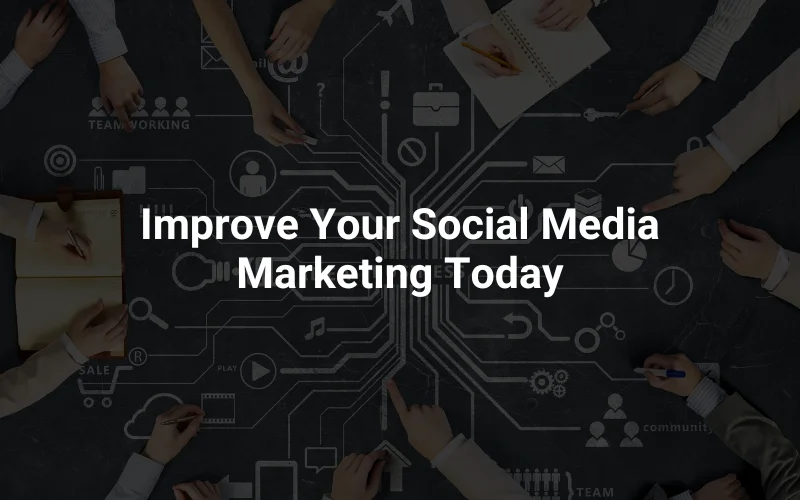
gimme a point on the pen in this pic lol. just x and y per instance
(662, 373)
(74, 242)
(306, 138)
(174, 421)
(652, 89)
(498, 60)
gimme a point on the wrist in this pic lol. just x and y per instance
(323, 5)
(111, 65)
(147, 453)
(27, 59)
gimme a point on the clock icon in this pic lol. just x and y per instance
(673, 286)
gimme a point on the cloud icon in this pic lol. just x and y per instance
(141, 423)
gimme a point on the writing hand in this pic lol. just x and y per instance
(55, 234)
(490, 40)
(680, 386)
(167, 441)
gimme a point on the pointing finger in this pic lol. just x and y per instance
(397, 399)
(668, 201)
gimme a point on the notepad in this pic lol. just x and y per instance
(53, 286)
(548, 60)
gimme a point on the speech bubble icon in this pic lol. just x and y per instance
(320, 458)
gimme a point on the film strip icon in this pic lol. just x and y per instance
(219, 408)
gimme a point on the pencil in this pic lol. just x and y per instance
(74, 242)
(652, 89)
(179, 420)
(498, 60)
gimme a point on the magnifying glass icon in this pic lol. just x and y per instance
(148, 315)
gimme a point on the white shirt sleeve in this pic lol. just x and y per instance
(99, 19)
(13, 72)
(724, 151)
(779, 271)
(138, 479)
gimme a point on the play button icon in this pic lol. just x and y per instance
(257, 371)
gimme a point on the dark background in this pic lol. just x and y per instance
(60, 449)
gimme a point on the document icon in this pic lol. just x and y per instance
(210, 58)
(130, 181)
(549, 165)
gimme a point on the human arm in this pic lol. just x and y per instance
(141, 473)
(119, 86)
(747, 432)
(296, 29)
(24, 219)
(459, 459)
(752, 253)
(43, 372)
(35, 39)
(221, 26)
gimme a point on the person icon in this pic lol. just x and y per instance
(556, 480)
(160, 112)
(517, 476)
(140, 111)
(181, 112)
(631, 441)
(252, 185)
(97, 111)
(615, 408)
(546, 484)
(526, 478)
(537, 479)
(597, 440)
(508, 471)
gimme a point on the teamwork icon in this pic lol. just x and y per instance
(614, 411)
(613, 414)
(140, 111)
(629, 255)
(596, 429)
(552, 165)
(290, 71)
(631, 441)
(130, 181)
(542, 484)
(252, 173)
(436, 108)
(98, 110)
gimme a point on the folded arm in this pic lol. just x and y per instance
(39, 375)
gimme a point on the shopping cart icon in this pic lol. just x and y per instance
(88, 401)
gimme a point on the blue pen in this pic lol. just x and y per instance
(662, 373)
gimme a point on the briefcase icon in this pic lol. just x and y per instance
(436, 108)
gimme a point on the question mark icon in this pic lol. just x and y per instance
(321, 87)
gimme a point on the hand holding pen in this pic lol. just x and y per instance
(57, 234)
(664, 372)
(493, 53)
(170, 436)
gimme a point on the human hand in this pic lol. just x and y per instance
(680, 386)
(120, 89)
(678, 81)
(724, 488)
(38, 36)
(167, 441)
(747, 251)
(266, 108)
(358, 477)
(490, 40)
(698, 172)
(427, 426)
(96, 329)
(562, 15)
(296, 29)
(197, 490)
(55, 234)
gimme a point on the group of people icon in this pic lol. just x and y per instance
(98, 110)
(614, 412)
(543, 485)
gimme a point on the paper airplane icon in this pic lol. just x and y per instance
(258, 371)
(408, 8)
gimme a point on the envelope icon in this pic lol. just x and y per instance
(210, 58)
(550, 165)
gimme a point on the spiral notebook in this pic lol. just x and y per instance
(548, 60)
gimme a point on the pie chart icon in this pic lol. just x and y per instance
(629, 255)
(257, 371)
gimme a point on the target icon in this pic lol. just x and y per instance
(60, 161)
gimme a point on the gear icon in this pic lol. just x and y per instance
(559, 391)
(541, 382)
(561, 376)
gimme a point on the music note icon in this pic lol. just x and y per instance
(317, 328)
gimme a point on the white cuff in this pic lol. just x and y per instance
(448, 450)
(139, 476)
(33, 222)
(779, 271)
(724, 151)
(472, 28)
(15, 69)
(73, 350)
